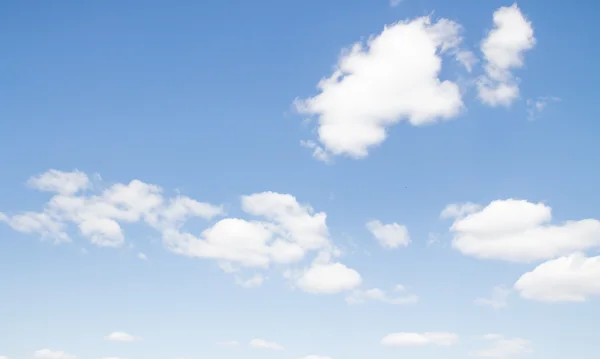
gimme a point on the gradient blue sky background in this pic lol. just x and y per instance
(196, 97)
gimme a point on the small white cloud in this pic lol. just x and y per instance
(253, 282)
(503, 50)
(535, 107)
(394, 3)
(457, 210)
(433, 239)
(122, 337)
(498, 299)
(142, 256)
(52, 354)
(503, 348)
(389, 236)
(263, 344)
(65, 183)
(376, 294)
(328, 278)
(405, 339)
(573, 278)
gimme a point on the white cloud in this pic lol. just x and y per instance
(309, 357)
(253, 282)
(289, 230)
(394, 3)
(393, 77)
(520, 231)
(99, 216)
(328, 278)
(263, 344)
(52, 354)
(573, 278)
(230, 343)
(41, 224)
(498, 299)
(535, 107)
(503, 50)
(503, 348)
(405, 339)
(142, 256)
(376, 294)
(3, 357)
(65, 183)
(457, 210)
(122, 337)
(390, 236)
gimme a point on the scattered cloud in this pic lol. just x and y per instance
(458, 210)
(65, 183)
(392, 77)
(52, 354)
(142, 256)
(328, 278)
(498, 300)
(503, 348)
(572, 278)
(503, 50)
(405, 339)
(390, 236)
(535, 107)
(253, 282)
(263, 344)
(376, 294)
(520, 231)
(122, 337)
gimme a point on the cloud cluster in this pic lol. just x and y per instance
(521, 231)
(395, 76)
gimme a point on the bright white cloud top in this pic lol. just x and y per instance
(405, 339)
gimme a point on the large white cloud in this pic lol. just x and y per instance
(503, 50)
(408, 339)
(572, 278)
(520, 231)
(393, 77)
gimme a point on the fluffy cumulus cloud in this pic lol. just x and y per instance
(572, 278)
(52, 354)
(503, 50)
(389, 236)
(406, 339)
(99, 216)
(521, 231)
(398, 297)
(122, 337)
(278, 230)
(503, 348)
(264, 344)
(328, 278)
(393, 77)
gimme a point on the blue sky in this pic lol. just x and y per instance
(175, 185)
